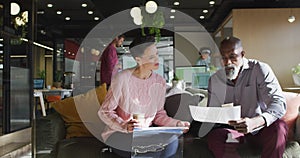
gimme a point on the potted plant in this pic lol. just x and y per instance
(152, 23)
(296, 74)
(42, 74)
(58, 79)
(178, 83)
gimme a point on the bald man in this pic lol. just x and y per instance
(252, 85)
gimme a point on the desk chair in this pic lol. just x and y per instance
(51, 98)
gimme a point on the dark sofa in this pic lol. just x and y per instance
(51, 138)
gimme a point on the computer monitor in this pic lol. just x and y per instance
(38, 83)
(186, 72)
(200, 80)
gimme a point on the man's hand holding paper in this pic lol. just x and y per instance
(247, 125)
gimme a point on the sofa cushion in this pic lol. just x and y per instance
(203, 93)
(49, 130)
(69, 110)
(292, 110)
(292, 150)
(297, 129)
(79, 147)
(177, 106)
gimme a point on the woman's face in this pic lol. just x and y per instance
(149, 59)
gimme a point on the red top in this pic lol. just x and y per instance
(109, 60)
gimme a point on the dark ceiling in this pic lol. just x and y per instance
(53, 25)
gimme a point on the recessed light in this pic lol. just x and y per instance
(96, 18)
(84, 5)
(151, 7)
(40, 12)
(58, 12)
(211, 2)
(90, 12)
(43, 32)
(291, 18)
(176, 3)
(68, 18)
(172, 16)
(205, 11)
(173, 10)
(202, 17)
(49, 5)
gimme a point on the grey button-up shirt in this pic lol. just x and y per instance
(257, 90)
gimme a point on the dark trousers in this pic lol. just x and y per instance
(271, 140)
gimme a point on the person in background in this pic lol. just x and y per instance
(204, 59)
(252, 85)
(109, 60)
(137, 90)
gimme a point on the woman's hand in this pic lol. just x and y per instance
(183, 124)
(131, 124)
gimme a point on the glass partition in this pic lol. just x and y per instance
(20, 98)
(19, 115)
(15, 99)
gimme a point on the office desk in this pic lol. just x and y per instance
(62, 92)
(40, 93)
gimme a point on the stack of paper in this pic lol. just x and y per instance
(215, 114)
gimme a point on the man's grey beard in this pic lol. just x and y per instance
(232, 71)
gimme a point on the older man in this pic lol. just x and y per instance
(252, 85)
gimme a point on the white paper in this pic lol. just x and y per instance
(215, 114)
(153, 139)
(161, 128)
(230, 139)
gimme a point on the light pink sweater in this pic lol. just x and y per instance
(128, 95)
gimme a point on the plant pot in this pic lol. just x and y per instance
(57, 84)
(296, 78)
(180, 84)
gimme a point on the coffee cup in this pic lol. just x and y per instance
(49, 87)
(138, 116)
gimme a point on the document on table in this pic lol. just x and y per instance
(153, 139)
(215, 114)
(159, 128)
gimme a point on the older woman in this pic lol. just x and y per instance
(136, 90)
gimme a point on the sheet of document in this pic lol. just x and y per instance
(215, 114)
(161, 128)
(154, 139)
